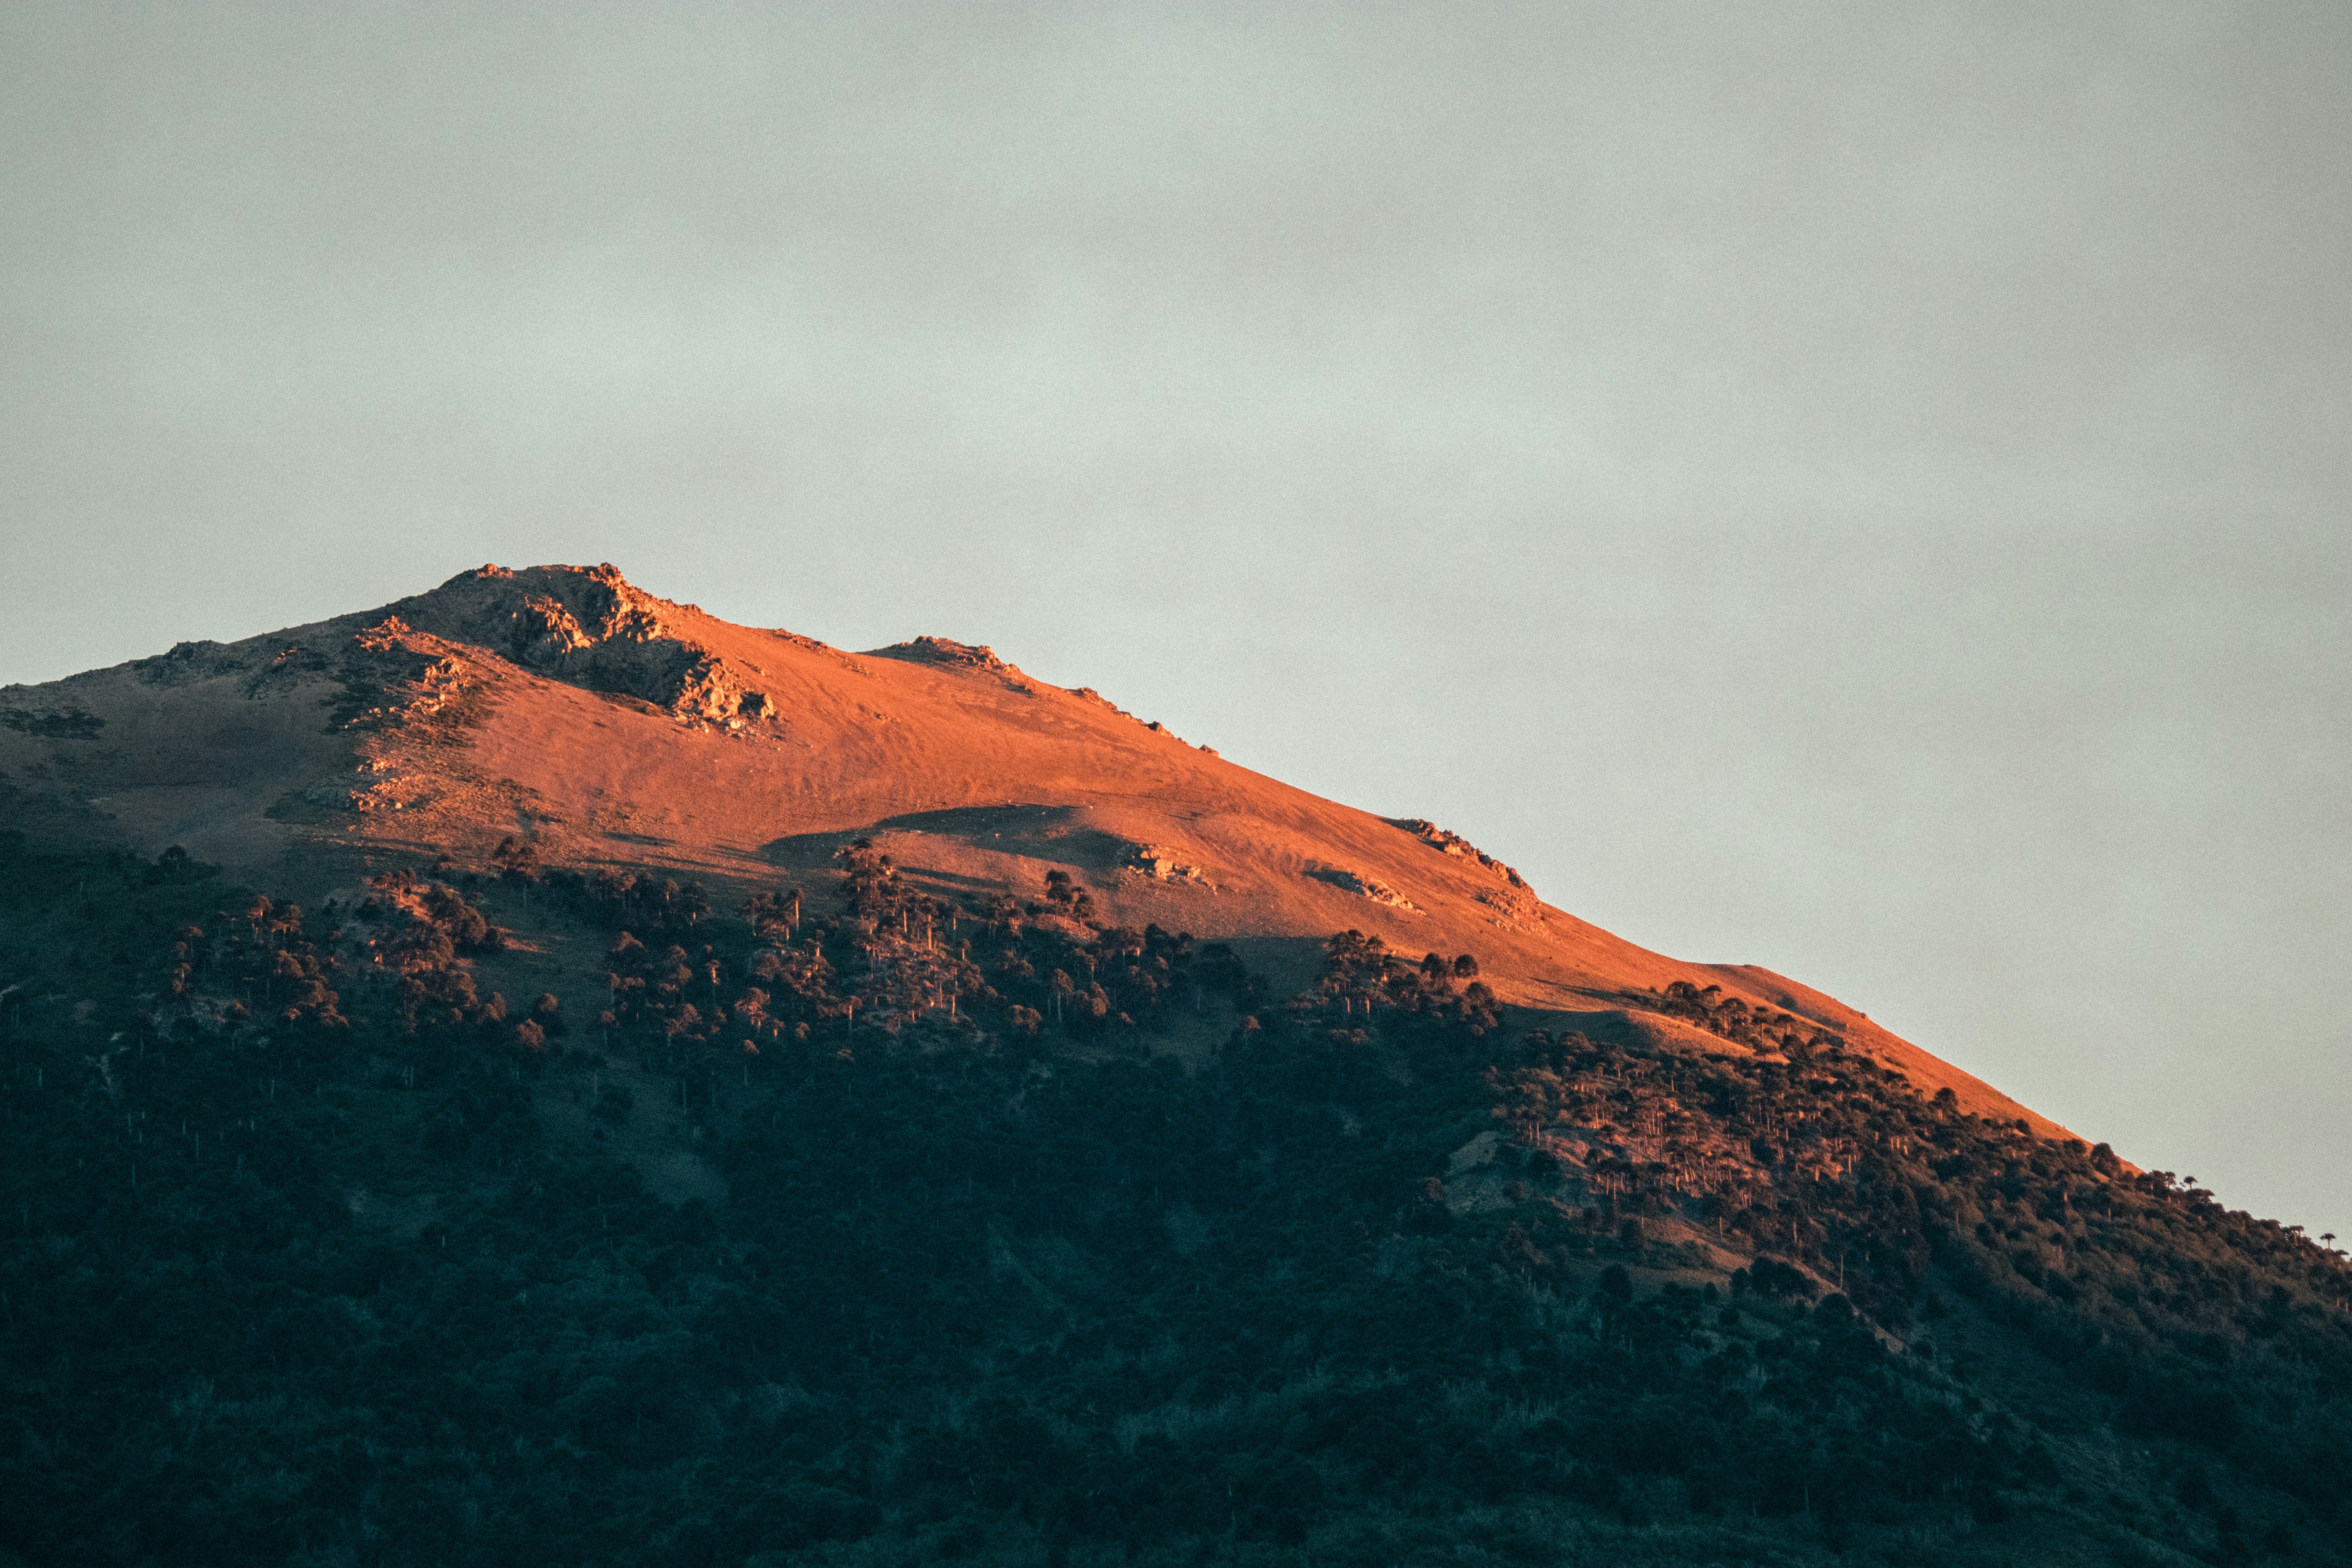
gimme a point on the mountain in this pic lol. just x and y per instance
(536, 1073)
(613, 729)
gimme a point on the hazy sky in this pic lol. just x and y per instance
(1861, 489)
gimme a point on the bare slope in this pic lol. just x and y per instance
(612, 727)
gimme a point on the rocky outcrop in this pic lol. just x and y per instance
(1162, 865)
(1455, 845)
(589, 626)
(1365, 887)
(1513, 909)
(944, 650)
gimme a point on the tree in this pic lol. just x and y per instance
(517, 859)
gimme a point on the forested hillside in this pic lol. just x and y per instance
(988, 1231)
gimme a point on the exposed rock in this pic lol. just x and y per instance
(943, 650)
(1454, 844)
(1088, 694)
(395, 676)
(1161, 865)
(549, 631)
(1514, 910)
(1364, 886)
(587, 626)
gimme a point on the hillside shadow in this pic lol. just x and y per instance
(1289, 964)
(1050, 832)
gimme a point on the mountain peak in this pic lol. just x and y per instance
(611, 728)
(588, 626)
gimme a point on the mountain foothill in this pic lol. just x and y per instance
(535, 1073)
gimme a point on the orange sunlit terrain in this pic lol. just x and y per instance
(563, 705)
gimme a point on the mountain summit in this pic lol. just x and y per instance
(608, 727)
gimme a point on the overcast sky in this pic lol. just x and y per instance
(1857, 489)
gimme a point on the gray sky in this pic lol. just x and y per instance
(1857, 489)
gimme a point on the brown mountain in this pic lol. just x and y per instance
(609, 727)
